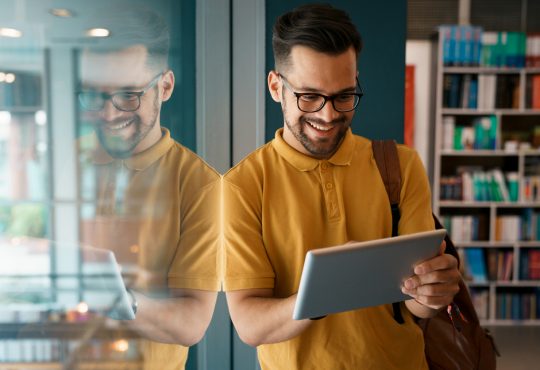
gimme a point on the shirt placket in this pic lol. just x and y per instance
(326, 171)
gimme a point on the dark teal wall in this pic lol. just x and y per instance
(178, 114)
(383, 27)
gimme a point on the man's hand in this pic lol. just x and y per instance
(434, 284)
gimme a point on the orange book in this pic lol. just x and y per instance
(408, 132)
(535, 91)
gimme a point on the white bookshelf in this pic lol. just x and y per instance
(446, 162)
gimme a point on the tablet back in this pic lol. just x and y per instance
(364, 274)
(103, 286)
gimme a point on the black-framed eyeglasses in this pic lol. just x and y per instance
(311, 102)
(126, 101)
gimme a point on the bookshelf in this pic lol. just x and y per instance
(486, 178)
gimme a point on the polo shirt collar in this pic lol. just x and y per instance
(304, 162)
(139, 161)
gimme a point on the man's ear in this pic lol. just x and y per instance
(168, 85)
(274, 86)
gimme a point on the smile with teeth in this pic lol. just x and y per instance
(118, 126)
(319, 127)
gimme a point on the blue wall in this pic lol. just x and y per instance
(178, 114)
(383, 27)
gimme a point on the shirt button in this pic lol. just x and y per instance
(324, 166)
(329, 185)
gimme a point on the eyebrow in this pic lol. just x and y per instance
(112, 88)
(312, 90)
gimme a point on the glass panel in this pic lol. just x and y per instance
(74, 232)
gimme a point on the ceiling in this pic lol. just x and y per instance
(42, 29)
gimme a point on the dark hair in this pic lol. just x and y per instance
(318, 26)
(137, 26)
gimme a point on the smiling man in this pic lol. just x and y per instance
(148, 198)
(316, 185)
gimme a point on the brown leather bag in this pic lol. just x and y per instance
(454, 339)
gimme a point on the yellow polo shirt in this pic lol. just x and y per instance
(280, 203)
(159, 211)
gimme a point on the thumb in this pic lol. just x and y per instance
(442, 248)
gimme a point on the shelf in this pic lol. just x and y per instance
(529, 244)
(463, 204)
(489, 70)
(498, 244)
(124, 365)
(504, 284)
(484, 244)
(501, 322)
(479, 153)
(476, 112)
(481, 70)
(516, 284)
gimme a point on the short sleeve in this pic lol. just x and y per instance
(246, 263)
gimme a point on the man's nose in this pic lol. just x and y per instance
(109, 112)
(328, 113)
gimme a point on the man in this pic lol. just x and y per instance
(317, 185)
(152, 201)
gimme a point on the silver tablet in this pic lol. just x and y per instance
(102, 284)
(363, 274)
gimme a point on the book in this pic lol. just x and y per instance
(448, 125)
(491, 257)
(480, 300)
(524, 265)
(409, 106)
(501, 184)
(535, 92)
(534, 264)
(476, 264)
(508, 265)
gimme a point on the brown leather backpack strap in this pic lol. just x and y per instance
(386, 157)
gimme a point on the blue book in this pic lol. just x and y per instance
(501, 49)
(516, 306)
(524, 265)
(527, 224)
(453, 47)
(473, 94)
(502, 305)
(454, 97)
(475, 228)
(476, 264)
(447, 44)
(467, 45)
(477, 46)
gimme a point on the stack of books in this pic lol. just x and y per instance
(474, 184)
(480, 135)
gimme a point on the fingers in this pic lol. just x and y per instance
(441, 262)
(435, 283)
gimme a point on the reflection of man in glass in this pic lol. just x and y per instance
(155, 203)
